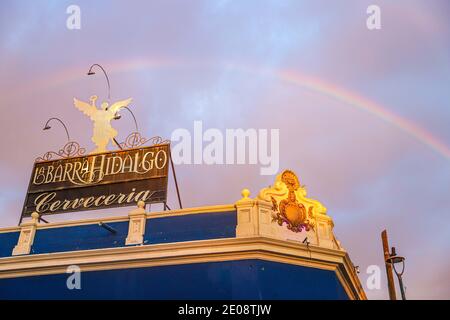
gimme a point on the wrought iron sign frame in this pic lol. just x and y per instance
(134, 141)
(112, 183)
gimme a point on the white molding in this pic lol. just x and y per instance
(194, 210)
(149, 215)
(75, 223)
(10, 229)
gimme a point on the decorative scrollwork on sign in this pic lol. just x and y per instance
(135, 140)
(70, 149)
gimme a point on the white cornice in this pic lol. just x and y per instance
(125, 218)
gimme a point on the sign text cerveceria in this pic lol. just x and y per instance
(98, 181)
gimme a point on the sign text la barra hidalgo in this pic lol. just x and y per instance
(97, 181)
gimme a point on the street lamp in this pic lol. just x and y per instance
(117, 116)
(394, 260)
(47, 126)
(91, 72)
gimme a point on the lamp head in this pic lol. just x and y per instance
(117, 116)
(394, 258)
(46, 127)
(90, 73)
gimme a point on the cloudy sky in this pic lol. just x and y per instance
(363, 114)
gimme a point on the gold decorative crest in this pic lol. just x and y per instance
(290, 203)
(103, 131)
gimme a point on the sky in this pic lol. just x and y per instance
(363, 114)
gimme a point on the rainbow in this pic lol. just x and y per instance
(292, 77)
(359, 102)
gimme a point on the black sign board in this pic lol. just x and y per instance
(98, 181)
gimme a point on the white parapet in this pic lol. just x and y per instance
(136, 227)
(283, 212)
(26, 237)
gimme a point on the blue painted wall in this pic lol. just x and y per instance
(7, 243)
(158, 230)
(244, 279)
(84, 237)
(191, 227)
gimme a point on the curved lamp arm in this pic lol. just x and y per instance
(117, 117)
(47, 126)
(90, 72)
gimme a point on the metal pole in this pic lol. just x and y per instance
(42, 219)
(118, 144)
(402, 289)
(107, 227)
(175, 178)
(389, 273)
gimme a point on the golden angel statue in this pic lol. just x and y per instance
(103, 131)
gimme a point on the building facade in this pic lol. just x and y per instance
(277, 245)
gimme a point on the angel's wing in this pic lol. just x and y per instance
(119, 104)
(86, 108)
